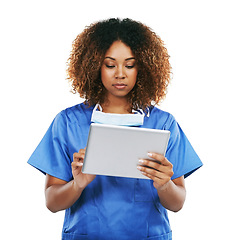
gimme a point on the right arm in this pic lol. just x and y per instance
(60, 194)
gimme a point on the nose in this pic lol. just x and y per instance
(120, 73)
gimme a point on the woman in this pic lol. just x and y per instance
(120, 67)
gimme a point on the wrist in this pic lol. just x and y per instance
(76, 187)
(164, 187)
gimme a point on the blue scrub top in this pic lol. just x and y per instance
(111, 207)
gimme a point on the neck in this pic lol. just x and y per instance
(116, 105)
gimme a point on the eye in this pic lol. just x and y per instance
(130, 67)
(110, 66)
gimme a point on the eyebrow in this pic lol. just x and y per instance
(127, 59)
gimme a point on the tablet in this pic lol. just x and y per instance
(115, 150)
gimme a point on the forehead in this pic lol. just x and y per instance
(119, 50)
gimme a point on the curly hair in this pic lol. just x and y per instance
(88, 52)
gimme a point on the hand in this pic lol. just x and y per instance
(81, 179)
(159, 169)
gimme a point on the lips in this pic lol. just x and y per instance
(119, 85)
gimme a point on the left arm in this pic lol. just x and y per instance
(172, 193)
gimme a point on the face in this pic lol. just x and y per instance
(119, 70)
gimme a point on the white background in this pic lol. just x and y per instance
(202, 38)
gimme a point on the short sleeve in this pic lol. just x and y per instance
(51, 155)
(180, 152)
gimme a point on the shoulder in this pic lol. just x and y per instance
(165, 118)
(76, 113)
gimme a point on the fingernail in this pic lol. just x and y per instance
(150, 154)
(141, 161)
(139, 168)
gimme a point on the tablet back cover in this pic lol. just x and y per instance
(115, 150)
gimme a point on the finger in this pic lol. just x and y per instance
(77, 157)
(159, 158)
(77, 164)
(158, 180)
(152, 164)
(155, 169)
(156, 156)
(82, 151)
(150, 172)
(155, 179)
